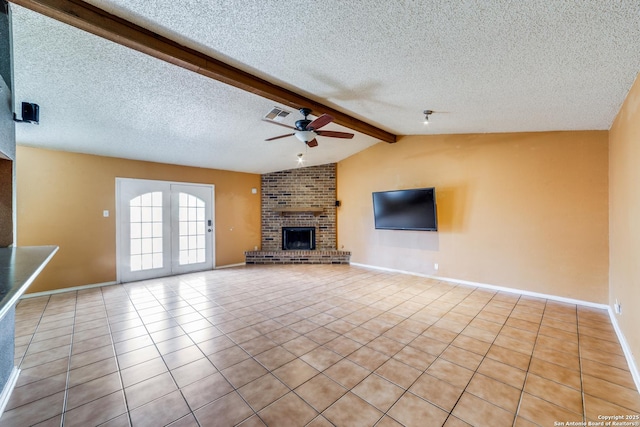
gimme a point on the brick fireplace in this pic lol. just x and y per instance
(303, 198)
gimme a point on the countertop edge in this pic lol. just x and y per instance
(15, 294)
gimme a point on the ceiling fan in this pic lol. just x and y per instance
(307, 130)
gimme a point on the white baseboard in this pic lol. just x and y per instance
(240, 264)
(626, 349)
(63, 290)
(97, 285)
(493, 287)
(8, 388)
(633, 368)
(526, 293)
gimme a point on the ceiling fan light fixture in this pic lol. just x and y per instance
(305, 135)
(307, 130)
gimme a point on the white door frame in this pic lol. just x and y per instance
(120, 244)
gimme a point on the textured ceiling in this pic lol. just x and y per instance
(483, 66)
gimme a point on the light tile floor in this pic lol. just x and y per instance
(299, 345)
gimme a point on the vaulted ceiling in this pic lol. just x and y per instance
(482, 66)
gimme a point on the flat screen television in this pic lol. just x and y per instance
(413, 209)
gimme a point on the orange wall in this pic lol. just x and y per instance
(61, 196)
(624, 217)
(525, 210)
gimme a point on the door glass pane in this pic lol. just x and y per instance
(191, 229)
(136, 230)
(146, 214)
(183, 228)
(135, 211)
(146, 231)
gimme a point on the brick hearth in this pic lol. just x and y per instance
(297, 257)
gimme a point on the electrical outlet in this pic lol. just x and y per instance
(617, 307)
(435, 266)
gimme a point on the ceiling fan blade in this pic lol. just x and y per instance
(278, 137)
(312, 143)
(323, 120)
(279, 124)
(334, 134)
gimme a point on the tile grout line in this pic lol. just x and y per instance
(291, 390)
(405, 345)
(187, 334)
(68, 358)
(406, 318)
(351, 293)
(40, 317)
(438, 356)
(133, 304)
(297, 358)
(390, 357)
(66, 387)
(483, 357)
(251, 356)
(115, 357)
(526, 374)
(473, 289)
(584, 401)
(225, 334)
(34, 332)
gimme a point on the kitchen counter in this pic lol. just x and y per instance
(19, 266)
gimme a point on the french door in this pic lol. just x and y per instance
(163, 228)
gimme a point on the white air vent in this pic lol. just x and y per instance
(277, 114)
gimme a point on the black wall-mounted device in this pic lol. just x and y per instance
(30, 113)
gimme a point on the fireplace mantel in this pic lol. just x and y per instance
(299, 209)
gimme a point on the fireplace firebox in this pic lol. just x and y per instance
(298, 238)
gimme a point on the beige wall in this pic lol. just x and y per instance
(526, 210)
(61, 196)
(624, 217)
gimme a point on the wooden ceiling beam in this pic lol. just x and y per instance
(94, 20)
